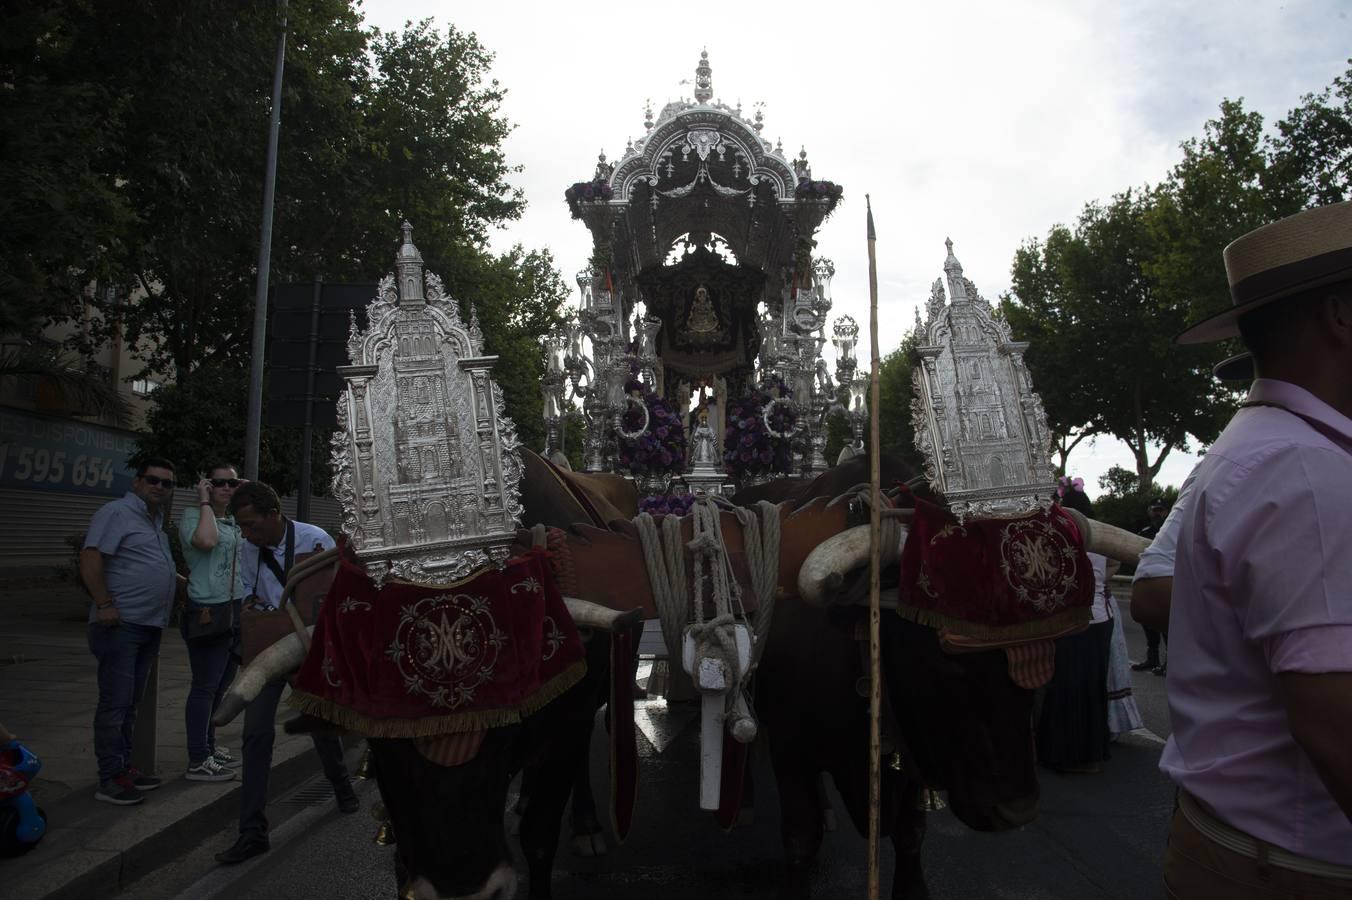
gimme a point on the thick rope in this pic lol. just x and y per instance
(664, 556)
(760, 530)
(715, 638)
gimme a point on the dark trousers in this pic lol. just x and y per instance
(259, 733)
(1152, 644)
(1197, 868)
(213, 665)
(125, 653)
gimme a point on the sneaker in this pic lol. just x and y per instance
(119, 792)
(209, 770)
(140, 780)
(1145, 665)
(224, 758)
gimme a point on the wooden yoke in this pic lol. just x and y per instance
(609, 569)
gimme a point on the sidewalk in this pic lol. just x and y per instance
(48, 692)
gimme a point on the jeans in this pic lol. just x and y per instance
(259, 732)
(125, 653)
(214, 665)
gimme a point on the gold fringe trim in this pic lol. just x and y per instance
(429, 726)
(1042, 627)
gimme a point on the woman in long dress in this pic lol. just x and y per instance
(1072, 731)
(1123, 715)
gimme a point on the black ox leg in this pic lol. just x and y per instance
(800, 818)
(548, 784)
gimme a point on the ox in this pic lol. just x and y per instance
(961, 722)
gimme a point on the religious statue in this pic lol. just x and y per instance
(703, 319)
(703, 452)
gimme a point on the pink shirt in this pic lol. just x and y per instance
(1262, 585)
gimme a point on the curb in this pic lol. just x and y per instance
(96, 859)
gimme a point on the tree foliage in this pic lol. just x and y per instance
(1313, 147)
(1108, 363)
(1121, 501)
(158, 171)
(1102, 301)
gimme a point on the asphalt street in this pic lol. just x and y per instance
(1097, 836)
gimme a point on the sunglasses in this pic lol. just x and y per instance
(226, 482)
(156, 481)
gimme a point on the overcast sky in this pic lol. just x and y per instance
(986, 122)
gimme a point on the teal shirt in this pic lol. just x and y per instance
(210, 571)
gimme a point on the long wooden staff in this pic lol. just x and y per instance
(875, 697)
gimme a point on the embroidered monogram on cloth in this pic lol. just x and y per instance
(408, 660)
(995, 579)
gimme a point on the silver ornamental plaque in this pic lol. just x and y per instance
(978, 422)
(426, 465)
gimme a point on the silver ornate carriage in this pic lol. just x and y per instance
(978, 421)
(426, 464)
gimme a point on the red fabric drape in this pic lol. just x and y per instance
(995, 579)
(410, 660)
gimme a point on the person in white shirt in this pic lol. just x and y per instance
(273, 545)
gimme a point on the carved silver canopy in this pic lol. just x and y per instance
(978, 422)
(426, 464)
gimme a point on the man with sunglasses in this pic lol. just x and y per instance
(128, 569)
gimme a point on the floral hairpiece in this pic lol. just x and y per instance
(1066, 483)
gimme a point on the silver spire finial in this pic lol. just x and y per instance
(704, 79)
(409, 264)
(648, 115)
(957, 287)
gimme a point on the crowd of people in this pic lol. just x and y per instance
(237, 548)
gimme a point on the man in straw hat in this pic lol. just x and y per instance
(1260, 624)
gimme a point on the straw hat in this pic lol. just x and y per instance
(1287, 257)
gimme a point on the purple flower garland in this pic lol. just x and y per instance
(750, 449)
(807, 189)
(660, 449)
(587, 192)
(667, 504)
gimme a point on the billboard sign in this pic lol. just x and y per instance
(44, 453)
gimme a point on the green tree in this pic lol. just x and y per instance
(61, 215)
(200, 419)
(1121, 501)
(1223, 187)
(1114, 329)
(163, 166)
(1313, 147)
(1035, 314)
(896, 433)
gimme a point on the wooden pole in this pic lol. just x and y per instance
(875, 697)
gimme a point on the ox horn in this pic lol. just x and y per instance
(601, 618)
(277, 661)
(825, 568)
(1108, 540)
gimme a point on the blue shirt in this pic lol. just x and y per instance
(138, 566)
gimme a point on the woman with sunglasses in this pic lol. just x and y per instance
(210, 623)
